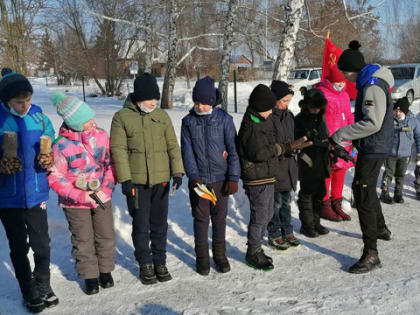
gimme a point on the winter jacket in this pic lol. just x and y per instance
(208, 146)
(305, 124)
(256, 149)
(28, 187)
(406, 132)
(144, 146)
(337, 114)
(373, 129)
(287, 172)
(77, 155)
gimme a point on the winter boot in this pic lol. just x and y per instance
(292, 240)
(336, 206)
(321, 230)
(279, 243)
(105, 280)
(162, 273)
(398, 197)
(368, 262)
(308, 231)
(384, 234)
(220, 259)
(91, 286)
(306, 215)
(202, 260)
(328, 213)
(31, 298)
(45, 291)
(385, 197)
(418, 195)
(258, 260)
(147, 274)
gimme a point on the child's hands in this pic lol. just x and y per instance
(46, 161)
(10, 165)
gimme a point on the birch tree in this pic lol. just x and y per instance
(293, 10)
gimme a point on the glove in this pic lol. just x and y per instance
(177, 181)
(10, 165)
(194, 182)
(46, 161)
(127, 188)
(290, 148)
(231, 187)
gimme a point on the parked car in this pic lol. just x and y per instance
(407, 81)
(304, 77)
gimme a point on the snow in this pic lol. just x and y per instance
(311, 279)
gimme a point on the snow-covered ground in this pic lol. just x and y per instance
(311, 279)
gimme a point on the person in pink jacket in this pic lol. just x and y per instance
(337, 114)
(83, 178)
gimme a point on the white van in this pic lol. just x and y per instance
(304, 77)
(407, 81)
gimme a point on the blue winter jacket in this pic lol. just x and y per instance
(406, 132)
(29, 187)
(208, 146)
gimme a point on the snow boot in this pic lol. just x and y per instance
(202, 260)
(162, 273)
(306, 215)
(220, 259)
(258, 260)
(292, 240)
(45, 291)
(384, 234)
(398, 197)
(91, 286)
(279, 243)
(318, 206)
(336, 206)
(328, 213)
(31, 298)
(147, 274)
(105, 280)
(385, 197)
(368, 262)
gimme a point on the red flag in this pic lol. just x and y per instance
(331, 55)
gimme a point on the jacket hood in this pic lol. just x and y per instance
(327, 85)
(128, 103)
(372, 71)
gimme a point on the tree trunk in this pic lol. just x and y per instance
(148, 59)
(294, 10)
(169, 83)
(226, 53)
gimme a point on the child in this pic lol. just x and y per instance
(314, 165)
(406, 132)
(280, 229)
(208, 146)
(146, 155)
(24, 189)
(83, 178)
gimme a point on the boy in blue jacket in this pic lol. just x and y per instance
(24, 189)
(406, 132)
(208, 146)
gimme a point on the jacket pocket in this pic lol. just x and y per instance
(7, 185)
(41, 184)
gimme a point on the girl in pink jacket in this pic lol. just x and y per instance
(83, 177)
(338, 114)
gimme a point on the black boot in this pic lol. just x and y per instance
(31, 298)
(398, 198)
(220, 259)
(106, 281)
(385, 197)
(321, 230)
(91, 286)
(202, 260)
(258, 260)
(306, 215)
(147, 274)
(384, 234)
(308, 231)
(162, 273)
(368, 262)
(45, 291)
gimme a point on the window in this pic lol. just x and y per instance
(403, 73)
(418, 72)
(314, 75)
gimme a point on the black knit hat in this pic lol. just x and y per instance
(12, 84)
(262, 99)
(5, 71)
(313, 98)
(402, 104)
(281, 89)
(205, 92)
(351, 60)
(145, 88)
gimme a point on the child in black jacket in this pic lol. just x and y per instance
(314, 161)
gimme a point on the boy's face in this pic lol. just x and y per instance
(351, 76)
(202, 108)
(314, 110)
(149, 104)
(20, 104)
(266, 114)
(283, 103)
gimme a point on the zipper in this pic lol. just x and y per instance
(207, 149)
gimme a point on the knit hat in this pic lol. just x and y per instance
(351, 60)
(313, 98)
(145, 88)
(205, 92)
(281, 89)
(73, 111)
(402, 104)
(12, 84)
(5, 71)
(262, 99)
(335, 75)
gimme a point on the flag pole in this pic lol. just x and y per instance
(328, 34)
